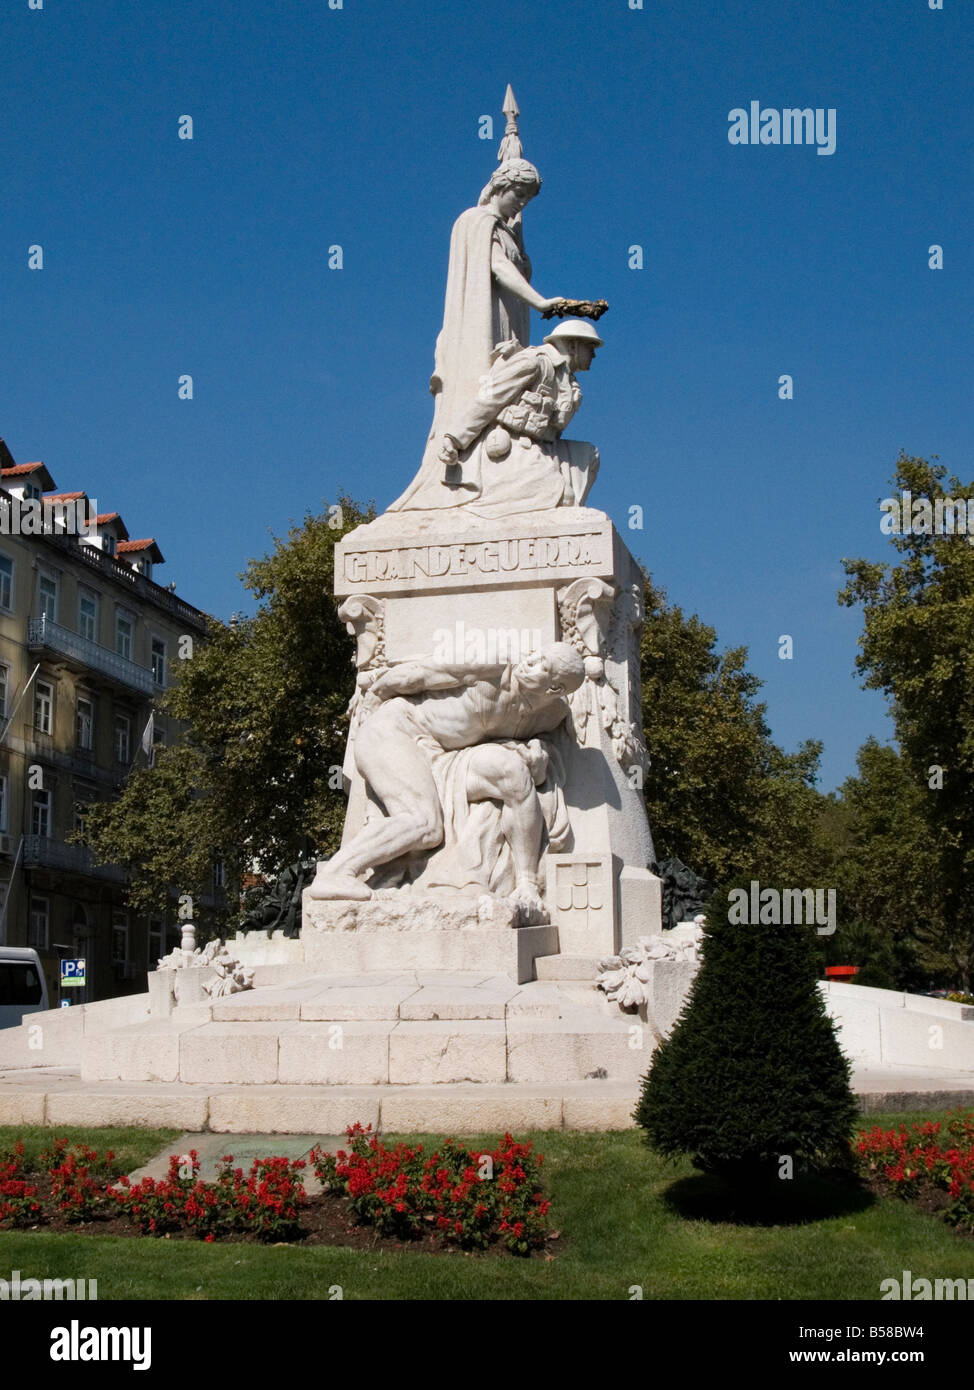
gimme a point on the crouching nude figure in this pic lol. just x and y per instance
(421, 710)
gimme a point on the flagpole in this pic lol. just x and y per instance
(6, 900)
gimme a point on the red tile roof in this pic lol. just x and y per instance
(112, 518)
(149, 544)
(63, 496)
(36, 472)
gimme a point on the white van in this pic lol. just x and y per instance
(23, 989)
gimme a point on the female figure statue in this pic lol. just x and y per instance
(488, 302)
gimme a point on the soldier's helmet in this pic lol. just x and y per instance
(575, 328)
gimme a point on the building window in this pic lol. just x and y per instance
(81, 818)
(6, 583)
(156, 937)
(43, 707)
(39, 929)
(123, 739)
(4, 803)
(47, 597)
(110, 545)
(88, 615)
(120, 937)
(4, 680)
(124, 628)
(40, 815)
(158, 661)
(219, 876)
(84, 727)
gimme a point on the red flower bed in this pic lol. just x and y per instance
(926, 1159)
(455, 1198)
(74, 1191)
(18, 1198)
(264, 1203)
(454, 1195)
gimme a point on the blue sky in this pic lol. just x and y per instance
(359, 126)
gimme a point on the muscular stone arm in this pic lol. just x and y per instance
(424, 674)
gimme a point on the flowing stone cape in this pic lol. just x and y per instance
(477, 316)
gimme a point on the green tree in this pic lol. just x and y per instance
(752, 1071)
(918, 619)
(720, 794)
(886, 876)
(265, 703)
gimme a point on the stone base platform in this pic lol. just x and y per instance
(453, 1051)
(462, 1052)
(398, 1028)
(58, 1097)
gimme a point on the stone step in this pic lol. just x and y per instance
(61, 1098)
(577, 1046)
(410, 996)
(57, 1097)
(559, 967)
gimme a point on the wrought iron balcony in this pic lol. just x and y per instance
(43, 634)
(42, 852)
(80, 761)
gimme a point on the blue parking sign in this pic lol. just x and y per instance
(72, 972)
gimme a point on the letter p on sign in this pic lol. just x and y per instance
(72, 972)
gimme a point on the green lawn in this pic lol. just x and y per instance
(610, 1200)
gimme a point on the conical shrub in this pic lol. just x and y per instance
(752, 1071)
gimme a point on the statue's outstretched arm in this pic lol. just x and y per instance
(411, 677)
(508, 276)
(414, 676)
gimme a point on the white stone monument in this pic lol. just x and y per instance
(484, 950)
(496, 849)
(495, 759)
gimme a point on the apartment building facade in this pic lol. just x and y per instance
(88, 642)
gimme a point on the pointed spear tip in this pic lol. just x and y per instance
(510, 105)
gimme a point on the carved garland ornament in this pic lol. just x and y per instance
(364, 619)
(597, 622)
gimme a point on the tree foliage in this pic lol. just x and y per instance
(918, 622)
(265, 703)
(720, 794)
(886, 876)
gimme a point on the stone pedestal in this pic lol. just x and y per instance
(450, 585)
(415, 932)
(668, 987)
(170, 988)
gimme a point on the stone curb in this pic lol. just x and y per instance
(450, 1108)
